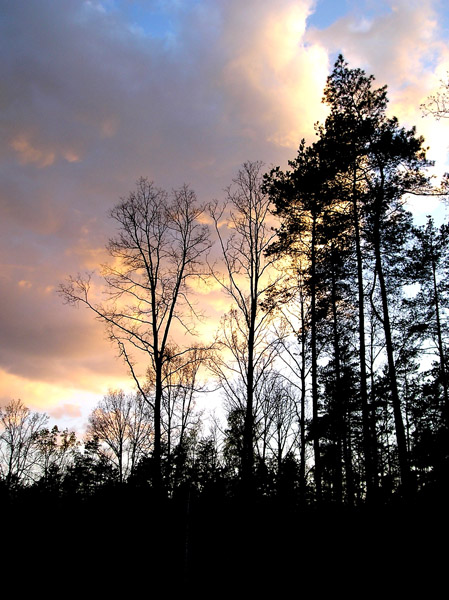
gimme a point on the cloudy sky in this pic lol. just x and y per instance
(95, 94)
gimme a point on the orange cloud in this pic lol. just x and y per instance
(58, 400)
(29, 153)
(274, 81)
(23, 283)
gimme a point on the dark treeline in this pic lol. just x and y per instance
(332, 361)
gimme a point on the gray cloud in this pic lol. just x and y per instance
(91, 100)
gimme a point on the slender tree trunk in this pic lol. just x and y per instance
(440, 343)
(303, 405)
(315, 415)
(338, 396)
(398, 420)
(157, 453)
(347, 455)
(248, 440)
(368, 437)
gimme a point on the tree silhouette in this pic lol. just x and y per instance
(343, 198)
(19, 443)
(156, 253)
(123, 426)
(246, 349)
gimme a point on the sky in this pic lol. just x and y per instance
(95, 94)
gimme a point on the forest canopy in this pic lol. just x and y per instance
(331, 360)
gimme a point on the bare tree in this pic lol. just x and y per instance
(18, 449)
(277, 418)
(246, 350)
(180, 386)
(122, 424)
(438, 104)
(157, 252)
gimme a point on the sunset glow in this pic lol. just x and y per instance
(92, 100)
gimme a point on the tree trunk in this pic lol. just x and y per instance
(368, 438)
(399, 423)
(315, 415)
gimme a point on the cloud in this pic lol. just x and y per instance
(268, 67)
(402, 45)
(40, 396)
(28, 153)
(395, 41)
(66, 410)
(93, 98)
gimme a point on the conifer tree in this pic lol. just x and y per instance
(350, 185)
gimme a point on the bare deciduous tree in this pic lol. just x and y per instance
(156, 253)
(277, 419)
(180, 386)
(18, 450)
(438, 104)
(122, 424)
(244, 274)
